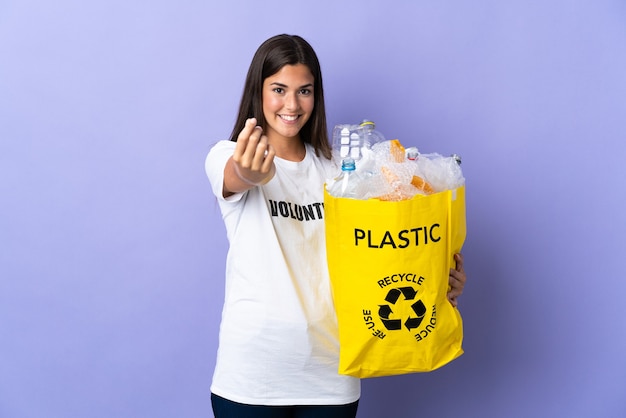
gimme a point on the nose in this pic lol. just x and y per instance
(291, 101)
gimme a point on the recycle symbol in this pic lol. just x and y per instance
(418, 308)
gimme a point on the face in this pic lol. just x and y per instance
(287, 102)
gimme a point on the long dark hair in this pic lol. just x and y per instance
(271, 56)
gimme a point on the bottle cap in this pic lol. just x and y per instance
(347, 164)
(412, 153)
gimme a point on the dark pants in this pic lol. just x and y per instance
(223, 408)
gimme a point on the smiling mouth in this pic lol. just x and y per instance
(289, 118)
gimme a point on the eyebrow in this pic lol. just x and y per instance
(285, 86)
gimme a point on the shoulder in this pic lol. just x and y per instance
(215, 162)
(222, 146)
(219, 153)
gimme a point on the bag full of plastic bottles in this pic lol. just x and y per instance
(394, 220)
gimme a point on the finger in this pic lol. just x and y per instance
(243, 137)
(268, 168)
(260, 154)
(458, 275)
(269, 159)
(457, 279)
(455, 285)
(455, 291)
(264, 157)
(250, 152)
(458, 257)
(248, 127)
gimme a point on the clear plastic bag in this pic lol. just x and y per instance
(385, 170)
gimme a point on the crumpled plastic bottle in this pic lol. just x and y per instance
(441, 172)
(346, 184)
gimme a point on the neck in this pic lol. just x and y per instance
(292, 149)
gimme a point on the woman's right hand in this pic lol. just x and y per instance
(252, 163)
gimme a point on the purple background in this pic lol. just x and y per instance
(112, 247)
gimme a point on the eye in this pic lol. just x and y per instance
(278, 90)
(305, 92)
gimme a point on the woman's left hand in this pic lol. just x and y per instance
(457, 280)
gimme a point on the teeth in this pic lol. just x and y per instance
(289, 118)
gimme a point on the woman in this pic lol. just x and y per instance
(278, 352)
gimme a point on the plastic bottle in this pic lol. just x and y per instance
(443, 173)
(455, 174)
(346, 141)
(352, 140)
(369, 135)
(346, 184)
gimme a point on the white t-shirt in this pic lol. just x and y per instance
(278, 337)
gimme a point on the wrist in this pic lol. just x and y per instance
(253, 183)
